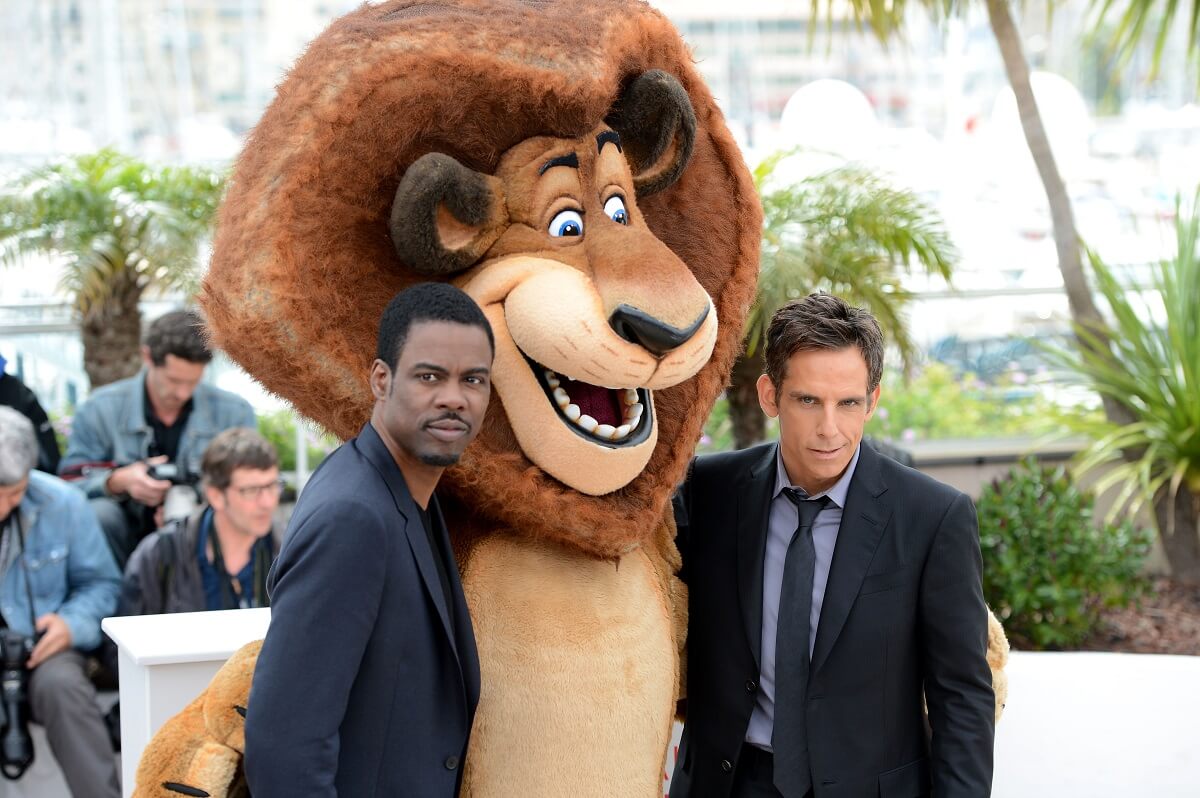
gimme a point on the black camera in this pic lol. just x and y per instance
(170, 472)
(16, 746)
(183, 498)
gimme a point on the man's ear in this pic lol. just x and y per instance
(147, 361)
(445, 216)
(873, 401)
(767, 398)
(213, 497)
(657, 124)
(380, 379)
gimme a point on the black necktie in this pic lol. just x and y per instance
(789, 737)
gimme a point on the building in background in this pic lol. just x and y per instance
(176, 79)
(186, 79)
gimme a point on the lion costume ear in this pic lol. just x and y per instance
(658, 127)
(445, 216)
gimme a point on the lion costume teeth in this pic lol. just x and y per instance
(606, 416)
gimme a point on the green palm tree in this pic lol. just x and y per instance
(121, 228)
(1152, 370)
(845, 231)
(1138, 19)
(885, 21)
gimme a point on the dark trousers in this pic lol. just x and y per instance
(64, 701)
(755, 775)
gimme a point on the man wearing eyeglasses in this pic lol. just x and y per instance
(218, 559)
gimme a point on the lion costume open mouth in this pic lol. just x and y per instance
(606, 416)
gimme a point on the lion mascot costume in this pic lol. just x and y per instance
(411, 142)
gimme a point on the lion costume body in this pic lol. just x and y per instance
(563, 163)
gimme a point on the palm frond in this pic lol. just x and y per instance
(1151, 368)
(848, 232)
(1137, 21)
(114, 220)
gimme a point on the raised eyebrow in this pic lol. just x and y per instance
(607, 136)
(429, 367)
(478, 370)
(570, 159)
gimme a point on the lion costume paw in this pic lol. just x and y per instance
(199, 751)
(997, 658)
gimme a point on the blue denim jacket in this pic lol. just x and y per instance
(70, 567)
(111, 426)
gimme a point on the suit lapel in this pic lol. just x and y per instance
(753, 512)
(375, 450)
(867, 512)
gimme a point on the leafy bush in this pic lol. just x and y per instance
(279, 428)
(1048, 569)
(936, 404)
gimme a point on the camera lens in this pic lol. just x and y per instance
(16, 746)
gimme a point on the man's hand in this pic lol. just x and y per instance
(56, 637)
(133, 480)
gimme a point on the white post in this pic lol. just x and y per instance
(165, 661)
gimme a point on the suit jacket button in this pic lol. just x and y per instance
(751, 685)
(726, 765)
(451, 762)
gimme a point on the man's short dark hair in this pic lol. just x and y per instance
(179, 333)
(823, 321)
(425, 302)
(237, 447)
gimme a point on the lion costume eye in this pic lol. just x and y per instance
(566, 223)
(615, 208)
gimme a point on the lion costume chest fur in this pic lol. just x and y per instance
(550, 622)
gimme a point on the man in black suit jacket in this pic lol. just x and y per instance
(368, 679)
(830, 588)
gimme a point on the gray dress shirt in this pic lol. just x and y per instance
(781, 527)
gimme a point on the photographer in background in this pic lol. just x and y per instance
(219, 557)
(59, 580)
(163, 415)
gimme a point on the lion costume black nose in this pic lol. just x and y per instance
(657, 337)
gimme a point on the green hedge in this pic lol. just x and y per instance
(937, 404)
(279, 427)
(1048, 568)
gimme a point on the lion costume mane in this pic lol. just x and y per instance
(414, 141)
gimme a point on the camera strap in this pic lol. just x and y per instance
(14, 522)
(16, 516)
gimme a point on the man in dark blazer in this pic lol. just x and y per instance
(368, 679)
(830, 589)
